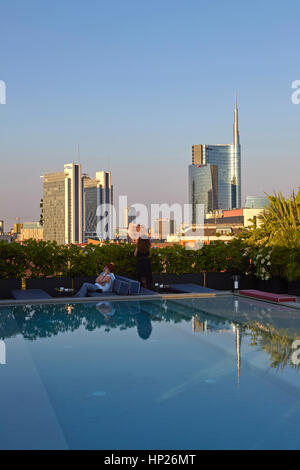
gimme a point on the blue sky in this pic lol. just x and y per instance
(136, 83)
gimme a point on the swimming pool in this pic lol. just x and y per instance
(205, 373)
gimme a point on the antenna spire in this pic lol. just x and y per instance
(236, 134)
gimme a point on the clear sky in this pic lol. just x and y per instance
(136, 83)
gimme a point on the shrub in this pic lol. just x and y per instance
(12, 261)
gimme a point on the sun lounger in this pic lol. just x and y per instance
(30, 294)
(191, 289)
(257, 294)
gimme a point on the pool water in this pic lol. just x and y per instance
(202, 373)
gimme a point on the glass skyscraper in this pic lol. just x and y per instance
(256, 202)
(203, 188)
(223, 161)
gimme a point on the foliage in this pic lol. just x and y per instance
(261, 261)
(277, 344)
(279, 236)
(176, 259)
(45, 259)
(42, 258)
(12, 261)
(281, 220)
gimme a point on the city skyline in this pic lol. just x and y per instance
(215, 173)
(136, 87)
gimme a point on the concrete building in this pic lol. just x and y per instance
(6, 238)
(97, 191)
(162, 228)
(73, 203)
(129, 216)
(31, 230)
(62, 205)
(54, 207)
(217, 161)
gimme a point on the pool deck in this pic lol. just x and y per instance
(102, 298)
(121, 298)
(295, 305)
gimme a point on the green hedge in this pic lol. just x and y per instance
(40, 259)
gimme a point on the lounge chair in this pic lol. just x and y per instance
(191, 289)
(30, 294)
(258, 294)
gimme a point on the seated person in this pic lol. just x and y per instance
(107, 310)
(103, 283)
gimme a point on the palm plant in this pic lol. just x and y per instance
(281, 220)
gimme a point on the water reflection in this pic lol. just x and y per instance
(270, 333)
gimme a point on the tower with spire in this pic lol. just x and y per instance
(236, 134)
(215, 173)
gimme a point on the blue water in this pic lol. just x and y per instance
(179, 374)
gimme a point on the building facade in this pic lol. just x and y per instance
(54, 207)
(62, 205)
(31, 230)
(256, 202)
(162, 228)
(203, 188)
(227, 159)
(73, 203)
(97, 191)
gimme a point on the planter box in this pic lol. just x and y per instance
(193, 278)
(294, 287)
(276, 285)
(248, 282)
(7, 285)
(219, 281)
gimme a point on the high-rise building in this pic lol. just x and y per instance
(162, 228)
(223, 160)
(54, 207)
(73, 203)
(97, 191)
(62, 205)
(203, 188)
(129, 216)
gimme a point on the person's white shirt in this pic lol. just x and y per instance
(109, 285)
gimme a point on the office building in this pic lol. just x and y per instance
(221, 162)
(73, 203)
(129, 216)
(97, 191)
(162, 228)
(256, 202)
(62, 205)
(54, 207)
(203, 188)
(31, 230)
